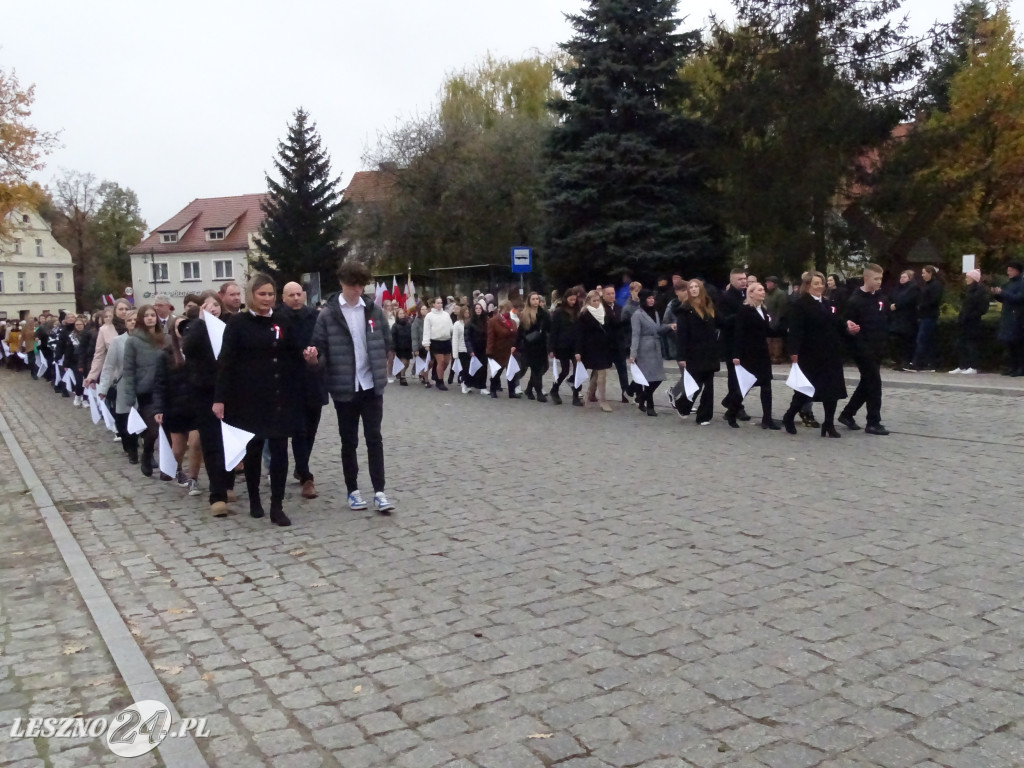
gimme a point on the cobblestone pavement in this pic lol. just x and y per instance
(561, 587)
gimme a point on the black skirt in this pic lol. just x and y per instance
(440, 346)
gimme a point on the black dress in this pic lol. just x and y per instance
(816, 331)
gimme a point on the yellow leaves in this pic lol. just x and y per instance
(71, 650)
(169, 670)
(179, 611)
(357, 689)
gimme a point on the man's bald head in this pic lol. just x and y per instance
(293, 296)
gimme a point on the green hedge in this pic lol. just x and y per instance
(993, 354)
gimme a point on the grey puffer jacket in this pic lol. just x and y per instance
(336, 354)
(139, 369)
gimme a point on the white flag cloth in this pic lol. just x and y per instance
(512, 369)
(421, 365)
(57, 375)
(581, 376)
(555, 370)
(41, 364)
(745, 379)
(638, 376)
(235, 440)
(474, 365)
(94, 407)
(69, 378)
(493, 367)
(689, 385)
(24, 357)
(166, 459)
(411, 291)
(136, 424)
(7, 349)
(215, 329)
(108, 417)
(457, 366)
(799, 382)
(397, 367)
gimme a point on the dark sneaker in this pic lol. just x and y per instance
(875, 429)
(848, 422)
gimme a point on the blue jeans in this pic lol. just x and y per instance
(924, 352)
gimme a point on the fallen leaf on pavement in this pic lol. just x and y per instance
(175, 670)
(181, 610)
(297, 552)
(357, 689)
(540, 735)
(70, 649)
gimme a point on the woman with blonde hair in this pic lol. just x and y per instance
(698, 351)
(594, 348)
(534, 326)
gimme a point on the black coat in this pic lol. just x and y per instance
(200, 364)
(476, 339)
(929, 300)
(594, 342)
(871, 312)
(726, 309)
(750, 343)
(401, 337)
(697, 341)
(903, 320)
(972, 309)
(259, 373)
(533, 343)
(620, 331)
(562, 339)
(86, 349)
(172, 394)
(314, 382)
(816, 331)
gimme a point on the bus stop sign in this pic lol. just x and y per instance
(522, 259)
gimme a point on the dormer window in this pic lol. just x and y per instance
(168, 237)
(215, 234)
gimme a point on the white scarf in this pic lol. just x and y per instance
(597, 312)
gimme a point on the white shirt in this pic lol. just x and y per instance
(355, 316)
(760, 311)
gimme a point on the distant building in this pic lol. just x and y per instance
(35, 270)
(367, 195)
(208, 243)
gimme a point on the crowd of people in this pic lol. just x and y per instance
(269, 367)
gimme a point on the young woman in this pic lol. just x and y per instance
(697, 346)
(113, 326)
(259, 389)
(437, 340)
(417, 341)
(816, 332)
(87, 350)
(459, 345)
(753, 327)
(110, 376)
(903, 321)
(645, 348)
(594, 348)
(173, 400)
(142, 352)
(562, 342)
(476, 347)
(534, 328)
(68, 346)
(401, 336)
(970, 332)
(501, 345)
(928, 304)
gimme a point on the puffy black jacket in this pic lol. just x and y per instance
(172, 392)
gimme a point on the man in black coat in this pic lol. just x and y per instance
(728, 306)
(314, 390)
(867, 308)
(621, 333)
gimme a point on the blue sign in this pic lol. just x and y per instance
(522, 259)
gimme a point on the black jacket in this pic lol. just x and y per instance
(973, 308)
(172, 392)
(903, 321)
(476, 338)
(562, 339)
(727, 308)
(697, 341)
(303, 320)
(401, 337)
(86, 349)
(871, 312)
(620, 331)
(594, 342)
(200, 364)
(533, 343)
(929, 300)
(750, 343)
(816, 331)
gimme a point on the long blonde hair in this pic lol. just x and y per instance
(702, 305)
(528, 314)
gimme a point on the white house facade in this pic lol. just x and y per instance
(210, 242)
(35, 270)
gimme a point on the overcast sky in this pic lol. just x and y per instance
(189, 99)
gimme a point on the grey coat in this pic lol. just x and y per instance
(645, 346)
(336, 354)
(110, 374)
(139, 370)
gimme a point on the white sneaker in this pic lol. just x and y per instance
(969, 371)
(193, 488)
(78, 401)
(484, 392)
(381, 503)
(956, 370)
(465, 389)
(703, 423)
(356, 502)
(391, 379)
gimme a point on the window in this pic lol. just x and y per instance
(169, 237)
(42, 282)
(190, 270)
(159, 272)
(59, 280)
(39, 248)
(24, 218)
(215, 234)
(17, 245)
(222, 270)
(21, 282)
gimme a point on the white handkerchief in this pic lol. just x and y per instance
(136, 424)
(57, 375)
(94, 406)
(555, 369)
(108, 417)
(799, 382)
(215, 329)
(7, 349)
(167, 463)
(457, 366)
(235, 440)
(41, 364)
(69, 378)
(745, 379)
(474, 365)
(421, 365)
(493, 367)
(24, 357)
(513, 368)
(638, 375)
(581, 376)
(397, 367)
(689, 385)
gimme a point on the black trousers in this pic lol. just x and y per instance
(868, 391)
(1015, 350)
(536, 382)
(968, 351)
(565, 361)
(801, 401)
(647, 395)
(733, 400)
(479, 379)
(145, 409)
(464, 378)
(368, 406)
(706, 381)
(302, 442)
(766, 400)
(253, 464)
(620, 368)
(221, 480)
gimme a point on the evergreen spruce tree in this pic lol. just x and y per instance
(625, 187)
(302, 231)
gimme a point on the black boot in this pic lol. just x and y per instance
(147, 463)
(255, 505)
(133, 455)
(829, 430)
(769, 423)
(277, 515)
(402, 380)
(555, 397)
(541, 397)
(730, 418)
(787, 421)
(529, 393)
(576, 398)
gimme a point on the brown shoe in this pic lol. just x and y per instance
(606, 408)
(308, 490)
(232, 496)
(219, 509)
